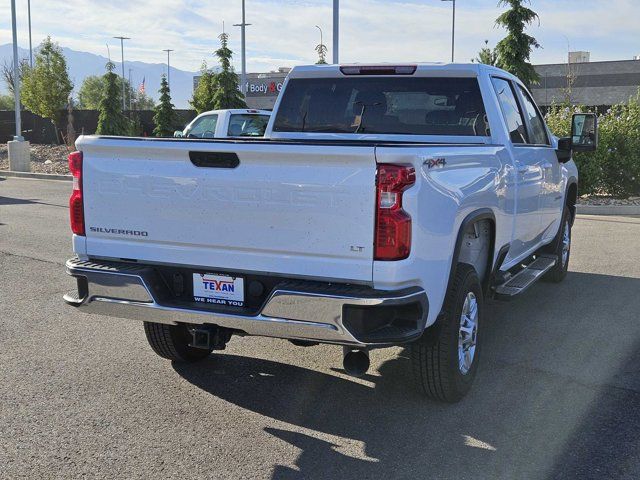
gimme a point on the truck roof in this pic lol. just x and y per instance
(426, 69)
(234, 111)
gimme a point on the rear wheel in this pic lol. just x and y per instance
(172, 342)
(445, 358)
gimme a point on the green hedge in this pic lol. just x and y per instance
(614, 168)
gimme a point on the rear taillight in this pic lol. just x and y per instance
(393, 224)
(76, 204)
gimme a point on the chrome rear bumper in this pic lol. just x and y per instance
(127, 290)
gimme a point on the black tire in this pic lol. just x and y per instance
(559, 270)
(436, 367)
(172, 342)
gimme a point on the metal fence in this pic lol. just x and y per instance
(40, 130)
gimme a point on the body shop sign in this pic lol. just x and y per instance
(264, 88)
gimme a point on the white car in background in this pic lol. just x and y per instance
(240, 122)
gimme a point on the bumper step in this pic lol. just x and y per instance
(526, 277)
(296, 310)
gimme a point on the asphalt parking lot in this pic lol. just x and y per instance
(557, 395)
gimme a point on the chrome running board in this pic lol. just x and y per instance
(526, 277)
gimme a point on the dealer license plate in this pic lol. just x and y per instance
(218, 289)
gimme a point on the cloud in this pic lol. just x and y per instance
(283, 32)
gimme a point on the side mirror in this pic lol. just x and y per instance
(177, 134)
(584, 132)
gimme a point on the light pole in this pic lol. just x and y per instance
(122, 39)
(30, 48)
(16, 74)
(321, 49)
(243, 72)
(453, 30)
(336, 30)
(18, 149)
(130, 95)
(320, 34)
(168, 50)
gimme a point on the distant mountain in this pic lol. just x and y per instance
(83, 64)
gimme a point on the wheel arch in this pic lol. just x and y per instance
(472, 218)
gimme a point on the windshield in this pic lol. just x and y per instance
(203, 127)
(247, 125)
(383, 105)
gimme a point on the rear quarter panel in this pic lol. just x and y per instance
(472, 178)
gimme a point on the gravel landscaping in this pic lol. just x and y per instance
(44, 159)
(603, 200)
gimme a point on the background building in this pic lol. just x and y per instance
(262, 88)
(587, 83)
(579, 81)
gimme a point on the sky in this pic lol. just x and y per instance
(283, 32)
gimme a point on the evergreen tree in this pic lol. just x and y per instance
(202, 100)
(164, 117)
(515, 49)
(487, 55)
(227, 93)
(321, 49)
(46, 86)
(111, 121)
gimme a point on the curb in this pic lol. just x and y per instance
(581, 209)
(608, 209)
(39, 176)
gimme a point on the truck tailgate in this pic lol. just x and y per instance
(291, 209)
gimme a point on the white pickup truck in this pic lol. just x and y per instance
(383, 206)
(237, 122)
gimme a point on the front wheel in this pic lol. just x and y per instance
(445, 358)
(172, 342)
(561, 248)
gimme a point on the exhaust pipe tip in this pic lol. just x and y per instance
(355, 361)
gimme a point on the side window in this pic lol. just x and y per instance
(510, 110)
(538, 132)
(204, 127)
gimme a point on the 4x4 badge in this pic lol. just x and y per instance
(435, 162)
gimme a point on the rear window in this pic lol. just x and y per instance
(383, 105)
(247, 125)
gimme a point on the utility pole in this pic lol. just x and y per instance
(16, 74)
(453, 30)
(122, 39)
(168, 50)
(336, 30)
(30, 47)
(243, 74)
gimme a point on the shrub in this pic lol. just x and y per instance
(614, 168)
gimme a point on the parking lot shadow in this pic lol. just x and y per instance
(556, 397)
(26, 201)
